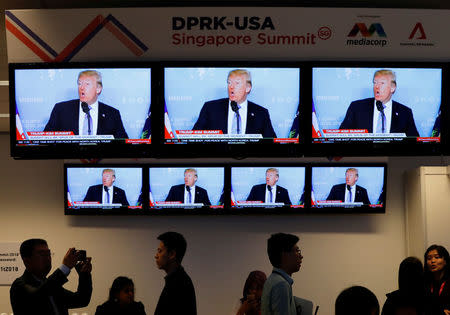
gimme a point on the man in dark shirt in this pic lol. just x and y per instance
(178, 295)
(35, 293)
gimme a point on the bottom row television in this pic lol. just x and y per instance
(225, 189)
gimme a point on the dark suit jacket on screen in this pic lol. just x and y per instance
(214, 116)
(65, 117)
(95, 193)
(176, 193)
(337, 192)
(258, 193)
(360, 116)
(29, 296)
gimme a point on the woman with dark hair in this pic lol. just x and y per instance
(250, 303)
(121, 300)
(436, 271)
(410, 296)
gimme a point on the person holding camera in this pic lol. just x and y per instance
(35, 293)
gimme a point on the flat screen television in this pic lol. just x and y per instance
(243, 108)
(186, 189)
(104, 189)
(268, 188)
(348, 188)
(377, 108)
(74, 110)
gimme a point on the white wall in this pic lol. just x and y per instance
(338, 250)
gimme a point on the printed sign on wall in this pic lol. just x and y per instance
(244, 33)
(11, 265)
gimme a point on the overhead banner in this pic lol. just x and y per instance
(227, 33)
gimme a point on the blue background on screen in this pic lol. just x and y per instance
(80, 178)
(324, 178)
(209, 178)
(335, 88)
(38, 90)
(187, 89)
(244, 178)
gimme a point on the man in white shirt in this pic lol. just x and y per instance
(380, 114)
(286, 258)
(107, 193)
(86, 115)
(235, 114)
(349, 192)
(189, 192)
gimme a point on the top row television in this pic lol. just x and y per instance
(227, 109)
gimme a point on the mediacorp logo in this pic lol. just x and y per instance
(374, 30)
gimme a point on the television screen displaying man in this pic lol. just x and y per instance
(349, 192)
(236, 114)
(380, 114)
(189, 192)
(86, 115)
(107, 193)
(270, 192)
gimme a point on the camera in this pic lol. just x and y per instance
(81, 255)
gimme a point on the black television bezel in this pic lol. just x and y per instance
(357, 148)
(341, 210)
(101, 211)
(238, 151)
(74, 150)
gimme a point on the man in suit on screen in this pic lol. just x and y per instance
(107, 193)
(86, 115)
(380, 114)
(270, 192)
(235, 114)
(189, 192)
(349, 192)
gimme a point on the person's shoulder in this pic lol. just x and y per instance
(179, 186)
(360, 188)
(276, 280)
(67, 103)
(400, 107)
(19, 281)
(258, 186)
(337, 186)
(363, 102)
(200, 188)
(281, 188)
(105, 308)
(107, 108)
(217, 101)
(118, 189)
(256, 107)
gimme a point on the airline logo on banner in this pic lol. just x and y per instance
(417, 37)
(46, 53)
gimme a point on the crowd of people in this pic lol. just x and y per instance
(422, 289)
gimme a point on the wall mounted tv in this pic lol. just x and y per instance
(268, 189)
(378, 108)
(80, 110)
(239, 108)
(187, 189)
(348, 188)
(104, 189)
